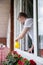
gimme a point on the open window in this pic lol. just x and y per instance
(36, 7)
(27, 7)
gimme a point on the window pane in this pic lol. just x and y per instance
(40, 28)
(27, 7)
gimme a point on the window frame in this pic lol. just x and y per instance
(39, 59)
(35, 7)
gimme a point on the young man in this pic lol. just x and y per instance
(28, 27)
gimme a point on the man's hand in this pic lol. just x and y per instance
(16, 39)
(30, 50)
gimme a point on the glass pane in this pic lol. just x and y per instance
(27, 7)
(40, 28)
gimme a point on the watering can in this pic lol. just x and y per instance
(17, 45)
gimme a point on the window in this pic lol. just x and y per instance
(40, 27)
(21, 5)
(27, 7)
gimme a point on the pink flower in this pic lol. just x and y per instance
(32, 62)
(14, 52)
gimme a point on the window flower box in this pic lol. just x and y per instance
(14, 58)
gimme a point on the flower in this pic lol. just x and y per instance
(14, 52)
(32, 62)
(25, 59)
(20, 62)
(16, 59)
(19, 56)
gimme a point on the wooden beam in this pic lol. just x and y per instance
(12, 26)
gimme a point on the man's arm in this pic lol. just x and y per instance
(22, 33)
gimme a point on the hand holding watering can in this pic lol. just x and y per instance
(17, 45)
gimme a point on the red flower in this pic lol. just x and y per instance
(19, 56)
(32, 62)
(20, 62)
(24, 59)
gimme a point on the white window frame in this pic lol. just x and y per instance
(39, 59)
(35, 32)
(15, 19)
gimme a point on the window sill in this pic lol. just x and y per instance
(29, 56)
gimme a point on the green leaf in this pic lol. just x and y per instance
(20, 58)
(27, 62)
